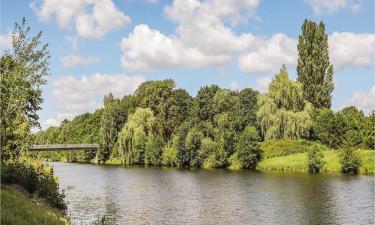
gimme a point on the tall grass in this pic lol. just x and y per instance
(18, 208)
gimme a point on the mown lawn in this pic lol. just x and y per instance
(17, 208)
(298, 162)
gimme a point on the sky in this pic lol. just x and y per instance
(101, 46)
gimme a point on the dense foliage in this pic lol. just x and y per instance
(315, 158)
(314, 69)
(23, 70)
(163, 125)
(283, 113)
(349, 161)
(37, 178)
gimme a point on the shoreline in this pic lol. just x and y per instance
(274, 164)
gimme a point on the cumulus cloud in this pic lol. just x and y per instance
(331, 6)
(74, 96)
(147, 50)
(352, 49)
(270, 55)
(345, 49)
(6, 40)
(92, 18)
(363, 100)
(322, 6)
(73, 60)
(262, 84)
(201, 24)
(201, 38)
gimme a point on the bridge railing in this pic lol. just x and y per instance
(62, 147)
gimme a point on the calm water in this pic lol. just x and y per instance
(175, 196)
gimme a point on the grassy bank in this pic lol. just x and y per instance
(19, 208)
(298, 162)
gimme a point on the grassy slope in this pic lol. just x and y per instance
(298, 162)
(19, 209)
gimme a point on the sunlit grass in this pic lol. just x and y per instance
(298, 162)
(19, 209)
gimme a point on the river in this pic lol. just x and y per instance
(135, 195)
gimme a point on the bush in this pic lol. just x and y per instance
(37, 178)
(315, 158)
(169, 156)
(349, 162)
(248, 152)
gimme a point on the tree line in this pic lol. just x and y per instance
(163, 125)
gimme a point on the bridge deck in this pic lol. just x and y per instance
(64, 147)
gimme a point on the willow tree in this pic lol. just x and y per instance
(314, 69)
(137, 133)
(283, 113)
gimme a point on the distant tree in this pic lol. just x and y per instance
(248, 107)
(192, 145)
(204, 102)
(176, 110)
(248, 151)
(137, 131)
(154, 150)
(110, 125)
(22, 73)
(153, 95)
(349, 161)
(314, 69)
(328, 127)
(211, 155)
(283, 113)
(315, 158)
(179, 143)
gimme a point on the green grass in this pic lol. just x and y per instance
(17, 208)
(298, 162)
(275, 148)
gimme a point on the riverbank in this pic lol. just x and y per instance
(298, 162)
(20, 208)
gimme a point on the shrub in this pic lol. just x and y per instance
(315, 158)
(248, 152)
(37, 178)
(349, 162)
(169, 156)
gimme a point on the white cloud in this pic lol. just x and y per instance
(92, 18)
(363, 100)
(201, 38)
(270, 55)
(262, 84)
(326, 6)
(234, 85)
(6, 40)
(201, 24)
(345, 49)
(73, 60)
(331, 6)
(74, 96)
(147, 50)
(351, 49)
(73, 41)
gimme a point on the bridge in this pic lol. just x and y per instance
(64, 147)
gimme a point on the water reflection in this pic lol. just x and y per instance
(136, 195)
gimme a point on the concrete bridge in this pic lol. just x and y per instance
(64, 147)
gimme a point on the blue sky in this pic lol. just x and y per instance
(99, 46)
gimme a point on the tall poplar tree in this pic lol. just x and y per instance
(314, 69)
